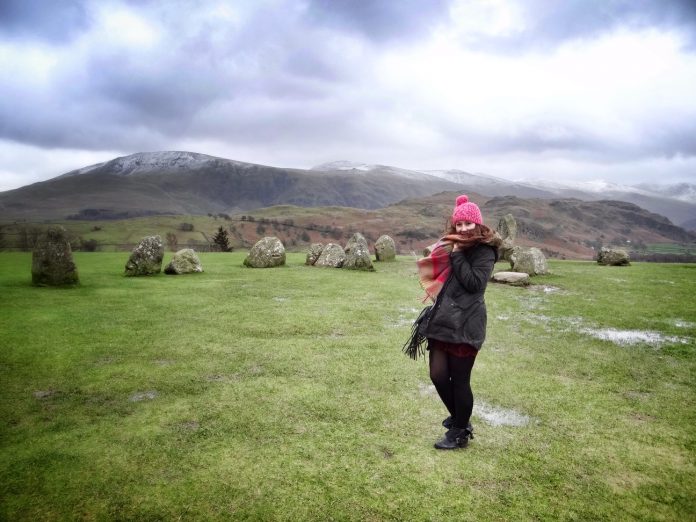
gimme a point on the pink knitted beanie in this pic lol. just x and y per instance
(464, 210)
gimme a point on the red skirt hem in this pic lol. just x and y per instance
(456, 349)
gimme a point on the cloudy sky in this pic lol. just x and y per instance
(520, 89)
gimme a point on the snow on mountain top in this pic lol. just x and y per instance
(143, 162)
(363, 168)
(597, 186)
(343, 165)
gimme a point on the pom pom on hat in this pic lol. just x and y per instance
(461, 200)
(464, 210)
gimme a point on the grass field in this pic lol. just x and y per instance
(282, 394)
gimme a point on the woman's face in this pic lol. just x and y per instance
(463, 226)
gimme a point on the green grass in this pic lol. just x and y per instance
(282, 395)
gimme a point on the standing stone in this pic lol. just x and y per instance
(268, 252)
(357, 239)
(313, 253)
(52, 261)
(385, 249)
(185, 261)
(146, 258)
(528, 260)
(507, 228)
(358, 258)
(332, 256)
(613, 257)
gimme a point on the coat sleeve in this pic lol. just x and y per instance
(473, 273)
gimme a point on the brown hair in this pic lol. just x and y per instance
(479, 234)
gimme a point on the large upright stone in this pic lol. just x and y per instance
(268, 252)
(528, 260)
(332, 256)
(385, 249)
(313, 253)
(185, 261)
(358, 258)
(507, 228)
(613, 257)
(357, 239)
(146, 258)
(52, 261)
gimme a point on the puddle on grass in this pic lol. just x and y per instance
(45, 394)
(500, 416)
(427, 390)
(547, 289)
(406, 317)
(684, 324)
(143, 396)
(489, 413)
(280, 299)
(631, 337)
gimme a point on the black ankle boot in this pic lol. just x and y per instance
(449, 424)
(454, 438)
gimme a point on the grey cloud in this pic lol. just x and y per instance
(117, 98)
(549, 22)
(379, 20)
(37, 19)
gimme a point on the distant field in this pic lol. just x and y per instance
(671, 248)
(281, 394)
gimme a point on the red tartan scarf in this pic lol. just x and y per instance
(434, 270)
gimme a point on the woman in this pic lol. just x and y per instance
(455, 276)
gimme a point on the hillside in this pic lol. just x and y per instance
(563, 228)
(187, 183)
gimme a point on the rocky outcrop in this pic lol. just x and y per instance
(511, 278)
(613, 257)
(185, 261)
(313, 253)
(528, 260)
(146, 258)
(385, 249)
(331, 256)
(268, 252)
(52, 260)
(358, 258)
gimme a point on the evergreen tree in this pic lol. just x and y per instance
(222, 240)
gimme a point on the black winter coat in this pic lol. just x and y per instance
(459, 312)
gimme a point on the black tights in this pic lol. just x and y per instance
(452, 379)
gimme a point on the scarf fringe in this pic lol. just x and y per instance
(415, 346)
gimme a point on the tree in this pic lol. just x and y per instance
(222, 240)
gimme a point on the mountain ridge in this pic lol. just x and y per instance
(193, 183)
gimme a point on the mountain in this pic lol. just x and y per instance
(682, 191)
(188, 183)
(677, 202)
